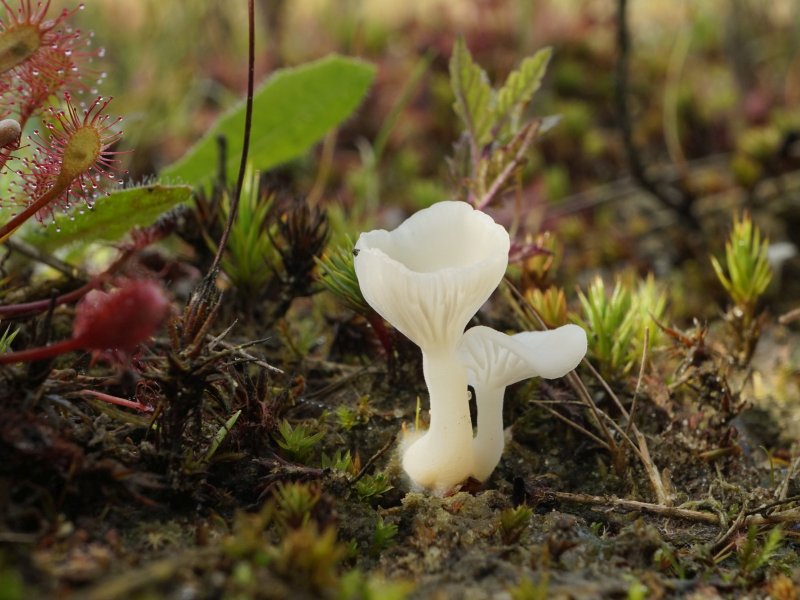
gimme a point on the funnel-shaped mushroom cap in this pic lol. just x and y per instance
(498, 360)
(429, 276)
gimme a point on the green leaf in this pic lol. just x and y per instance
(112, 216)
(519, 88)
(474, 95)
(292, 110)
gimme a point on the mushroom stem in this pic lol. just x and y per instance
(442, 457)
(488, 443)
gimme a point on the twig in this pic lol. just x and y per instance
(372, 460)
(635, 505)
(239, 349)
(602, 443)
(722, 541)
(51, 261)
(640, 446)
(699, 516)
(782, 490)
(639, 378)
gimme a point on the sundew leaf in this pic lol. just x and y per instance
(112, 217)
(292, 110)
(519, 88)
(473, 93)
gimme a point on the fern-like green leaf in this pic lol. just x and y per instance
(474, 95)
(519, 88)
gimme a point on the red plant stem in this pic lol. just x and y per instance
(379, 327)
(117, 400)
(45, 352)
(43, 200)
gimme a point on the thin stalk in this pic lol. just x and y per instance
(17, 220)
(116, 400)
(248, 124)
(528, 135)
(672, 512)
(679, 200)
(43, 353)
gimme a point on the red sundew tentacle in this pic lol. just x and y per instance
(54, 62)
(44, 170)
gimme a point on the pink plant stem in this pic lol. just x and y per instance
(117, 400)
(32, 354)
(43, 200)
(379, 327)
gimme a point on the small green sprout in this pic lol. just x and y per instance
(250, 254)
(297, 441)
(338, 275)
(610, 325)
(294, 503)
(356, 585)
(746, 276)
(753, 556)
(383, 536)
(748, 271)
(616, 323)
(551, 304)
(650, 302)
(307, 559)
(346, 417)
(370, 487)
(340, 461)
(636, 589)
(528, 590)
(7, 338)
(513, 522)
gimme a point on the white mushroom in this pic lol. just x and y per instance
(495, 360)
(428, 277)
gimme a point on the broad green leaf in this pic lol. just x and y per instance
(292, 110)
(474, 95)
(112, 217)
(519, 88)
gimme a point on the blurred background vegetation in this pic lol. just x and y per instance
(714, 91)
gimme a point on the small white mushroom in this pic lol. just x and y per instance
(495, 360)
(428, 277)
